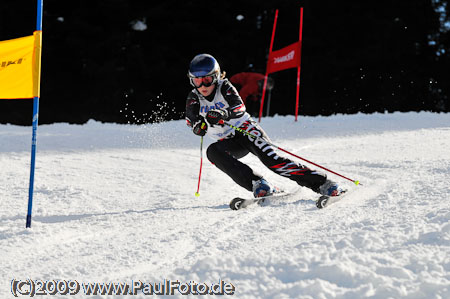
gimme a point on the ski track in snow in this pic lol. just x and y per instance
(115, 203)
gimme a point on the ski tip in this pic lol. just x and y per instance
(322, 202)
(236, 203)
(356, 183)
(197, 194)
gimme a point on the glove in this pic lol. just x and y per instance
(216, 116)
(200, 127)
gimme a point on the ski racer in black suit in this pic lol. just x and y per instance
(213, 101)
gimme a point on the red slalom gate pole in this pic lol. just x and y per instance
(298, 68)
(287, 152)
(267, 73)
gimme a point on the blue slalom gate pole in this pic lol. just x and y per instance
(33, 158)
(35, 125)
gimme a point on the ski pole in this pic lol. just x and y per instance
(287, 152)
(197, 194)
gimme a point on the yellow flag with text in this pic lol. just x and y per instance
(20, 67)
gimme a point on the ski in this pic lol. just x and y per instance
(325, 200)
(241, 203)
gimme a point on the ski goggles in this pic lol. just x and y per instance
(205, 81)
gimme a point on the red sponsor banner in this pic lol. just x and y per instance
(286, 58)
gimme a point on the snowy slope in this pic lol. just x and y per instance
(115, 203)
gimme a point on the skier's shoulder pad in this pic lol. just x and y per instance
(192, 95)
(227, 89)
(230, 94)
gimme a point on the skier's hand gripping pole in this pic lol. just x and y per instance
(287, 152)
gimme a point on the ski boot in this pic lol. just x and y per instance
(328, 190)
(262, 188)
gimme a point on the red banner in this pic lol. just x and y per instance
(286, 58)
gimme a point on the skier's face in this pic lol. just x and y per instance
(206, 91)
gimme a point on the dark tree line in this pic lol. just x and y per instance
(357, 56)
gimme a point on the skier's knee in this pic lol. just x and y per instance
(212, 153)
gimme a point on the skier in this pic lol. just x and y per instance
(212, 104)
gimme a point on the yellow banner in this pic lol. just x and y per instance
(20, 67)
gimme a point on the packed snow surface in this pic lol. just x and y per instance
(115, 204)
